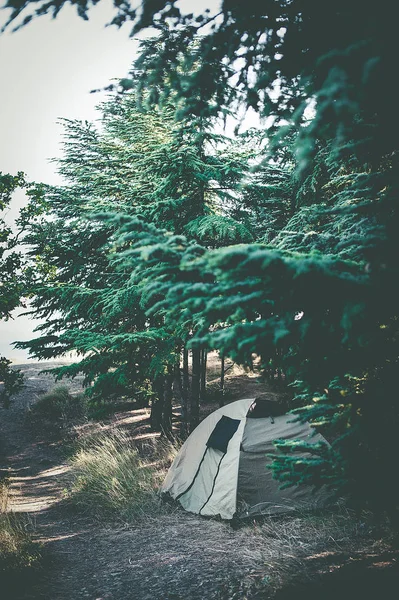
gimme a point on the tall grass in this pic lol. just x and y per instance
(110, 479)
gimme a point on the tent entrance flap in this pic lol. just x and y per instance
(219, 439)
(224, 430)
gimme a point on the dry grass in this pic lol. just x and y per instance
(181, 556)
(288, 547)
(111, 479)
(17, 550)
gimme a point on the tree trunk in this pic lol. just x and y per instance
(157, 404)
(203, 374)
(195, 389)
(186, 387)
(183, 426)
(167, 405)
(221, 402)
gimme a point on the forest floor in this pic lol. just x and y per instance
(175, 555)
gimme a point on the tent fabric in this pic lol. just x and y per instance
(184, 467)
(231, 479)
(257, 491)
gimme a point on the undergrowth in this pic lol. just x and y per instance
(110, 479)
(17, 549)
(57, 410)
(11, 381)
(100, 408)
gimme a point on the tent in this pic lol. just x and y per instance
(221, 469)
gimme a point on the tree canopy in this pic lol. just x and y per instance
(177, 178)
(14, 277)
(287, 249)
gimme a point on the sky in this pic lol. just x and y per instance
(47, 70)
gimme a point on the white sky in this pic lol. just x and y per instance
(47, 71)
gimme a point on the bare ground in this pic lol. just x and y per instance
(175, 555)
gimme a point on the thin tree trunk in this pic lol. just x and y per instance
(221, 403)
(157, 404)
(186, 375)
(195, 389)
(203, 373)
(167, 405)
(186, 387)
(183, 427)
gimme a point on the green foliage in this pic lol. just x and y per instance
(11, 380)
(217, 230)
(57, 409)
(15, 275)
(325, 292)
(319, 465)
(75, 293)
(11, 281)
(93, 288)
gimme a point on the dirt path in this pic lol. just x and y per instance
(36, 472)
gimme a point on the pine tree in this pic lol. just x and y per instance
(75, 293)
(13, 279)
(196, 180)
(11, 286)
(145, 166)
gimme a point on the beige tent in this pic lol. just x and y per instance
(221, 468)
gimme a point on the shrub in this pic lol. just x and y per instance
(57, 409)
(11, 380)
(101, 408)
(109, 478)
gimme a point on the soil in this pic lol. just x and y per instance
(175, 556)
